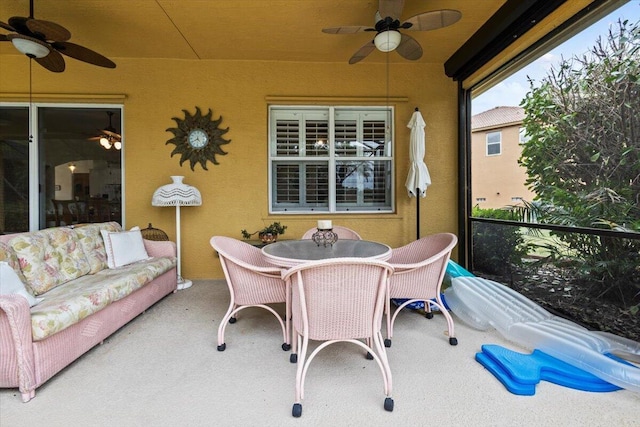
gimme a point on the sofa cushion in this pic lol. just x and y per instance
(49, 258)
(92, 244)
(71, 302)
(39, 266)
(10, 284)
(9, 256)
(73, 262)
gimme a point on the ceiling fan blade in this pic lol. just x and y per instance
(392, 8)
(48, 30)
(347, 29)
(112, 134)
(363, 52)
(52, 62)
(409, 48)
(433, 20)
(19, 25)
(83, 54)
(6, 26)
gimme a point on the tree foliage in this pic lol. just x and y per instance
(583, 155)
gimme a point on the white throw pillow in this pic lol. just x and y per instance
(11, 284)
(124, 247)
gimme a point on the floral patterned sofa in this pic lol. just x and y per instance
(81, 298)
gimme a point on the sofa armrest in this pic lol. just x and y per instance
(17, 345)
(160, 248)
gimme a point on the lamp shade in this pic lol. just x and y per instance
(387, 41)
(176, 194)
(30, 46)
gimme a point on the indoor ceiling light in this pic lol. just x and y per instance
(30, 46)
(387, 41)
(107, 142)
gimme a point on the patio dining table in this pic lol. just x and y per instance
(289, 253)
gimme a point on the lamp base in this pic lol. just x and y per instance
(184, 283)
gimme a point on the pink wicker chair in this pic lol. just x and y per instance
(342, 232)
(419, 270)
(339, 300)
(253, 282)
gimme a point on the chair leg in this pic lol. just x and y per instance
(287, 320)
(223, 325)
(293, 358)
(450, 325)
(452, 334)
(300, 374)
(294, 349)
(387, 309)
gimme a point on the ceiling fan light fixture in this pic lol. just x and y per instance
(105, 143)
(117, 145)
(386, 41)
(30, 46)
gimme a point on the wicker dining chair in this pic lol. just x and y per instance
(342, 232)
(419, 271)
(339, 300)
(253, 282)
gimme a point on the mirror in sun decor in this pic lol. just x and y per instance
(198, 138)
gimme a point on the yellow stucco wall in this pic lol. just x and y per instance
(235, 191)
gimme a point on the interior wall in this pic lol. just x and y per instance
(235, 191)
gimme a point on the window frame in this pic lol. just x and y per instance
(333, 158)
(523, 138)
(498, 143)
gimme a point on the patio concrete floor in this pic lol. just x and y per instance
(163, 369)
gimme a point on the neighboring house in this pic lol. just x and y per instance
(497, 136)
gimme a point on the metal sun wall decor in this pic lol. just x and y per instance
(198, 138)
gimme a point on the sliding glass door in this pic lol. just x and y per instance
(69, 173)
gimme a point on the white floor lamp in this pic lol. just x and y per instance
(177, 194)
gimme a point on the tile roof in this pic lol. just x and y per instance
(497, 117)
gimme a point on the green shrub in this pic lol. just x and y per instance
(496, 247)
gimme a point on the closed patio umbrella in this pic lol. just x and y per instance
(418, 178)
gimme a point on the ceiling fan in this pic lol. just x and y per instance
(109, 137)
(44, 41)
(387, 26)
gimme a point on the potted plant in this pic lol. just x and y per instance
(268, 234)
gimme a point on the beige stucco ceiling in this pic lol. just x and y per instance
(282, 30)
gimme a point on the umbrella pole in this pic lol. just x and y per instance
(417, 214)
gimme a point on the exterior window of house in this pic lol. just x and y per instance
(494, 143)
(330, 159)
(523, 137)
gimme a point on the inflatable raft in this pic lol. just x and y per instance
(484, 304)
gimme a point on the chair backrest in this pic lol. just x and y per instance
(65, 212)
(251, 278)
(339, 298)
(342, 232)
(420, 266)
